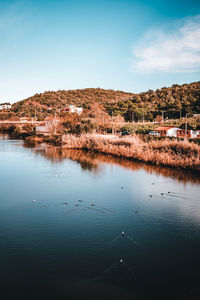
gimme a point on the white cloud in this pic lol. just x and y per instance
(177, 51)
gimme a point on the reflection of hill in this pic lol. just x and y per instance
(92, 161)
(96, 159)
(177, 174)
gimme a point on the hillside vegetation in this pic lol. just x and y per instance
(174, 101)
(48, 102)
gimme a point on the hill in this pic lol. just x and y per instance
(49, 101)
(174, 101)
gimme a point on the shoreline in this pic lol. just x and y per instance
(168, 153)
(180, 155)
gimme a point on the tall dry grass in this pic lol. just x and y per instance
(181, 154)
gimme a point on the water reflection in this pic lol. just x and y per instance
(67, 231)
(94, 162)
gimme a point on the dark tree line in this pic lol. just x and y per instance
(173, 102)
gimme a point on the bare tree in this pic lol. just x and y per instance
(54, 125)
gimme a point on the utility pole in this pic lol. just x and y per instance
(132, 116)
(163, 115)
(186, 128)
(112, 121)
(35, 115)
(55, 123)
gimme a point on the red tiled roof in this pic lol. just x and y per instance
(49, 118)
(163, 128)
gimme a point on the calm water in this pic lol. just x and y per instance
(61, 221)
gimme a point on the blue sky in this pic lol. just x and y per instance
(115, 44)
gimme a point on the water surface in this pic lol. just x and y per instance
(62, 215)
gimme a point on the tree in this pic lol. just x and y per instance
(159, 119)
(99, 114)
(54, 125)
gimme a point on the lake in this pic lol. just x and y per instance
(77, 225)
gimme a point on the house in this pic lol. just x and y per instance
(196, 134)
(5, 106)
(164, 131)
(190, 134)
(73, 109)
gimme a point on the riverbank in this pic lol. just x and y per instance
(161, 152)
(169, 153)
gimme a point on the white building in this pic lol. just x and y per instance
(73, 109)
(164, 131)
(5, 106)
(190, 134)
(195, 134)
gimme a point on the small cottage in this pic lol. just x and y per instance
(5, 106)
(164, 131)
(73, 109)
(190, 134)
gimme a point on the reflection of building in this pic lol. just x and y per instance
(164, 131)
(73, 109)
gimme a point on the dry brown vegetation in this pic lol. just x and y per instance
(182, 154)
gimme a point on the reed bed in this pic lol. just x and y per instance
(179, 154)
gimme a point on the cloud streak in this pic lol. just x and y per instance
(177, 51)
